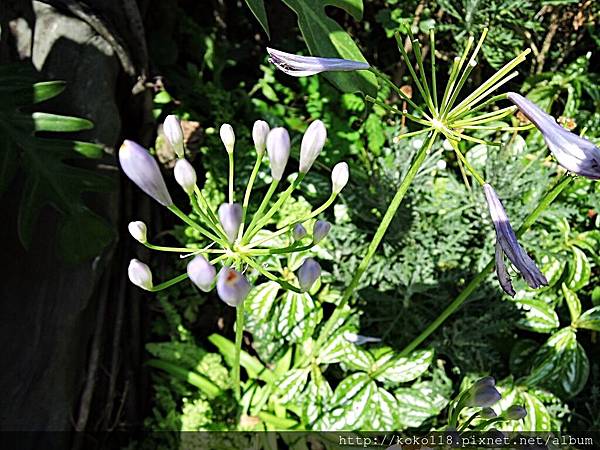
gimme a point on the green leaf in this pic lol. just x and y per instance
(46, 90)
(83, 236)
(349, 403)
(560, 364)
(539, 316)
(538, 418)
(195, 379)
(357, 358)
(258, 9)
(252, 365)
(324, 37)
(579, 270)
(298, 317)
(521, 355)
(318, 396)
(418, 403)
(589, 319)
(384, 414)
(404, 369)
(572, 302)
(59, 123)
(291, 385)
(278, 423)
(552, 268)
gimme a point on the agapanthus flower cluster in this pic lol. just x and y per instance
(443, 115)
(237, 242)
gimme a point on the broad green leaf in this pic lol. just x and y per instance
(258, 9)
(318, 397)
(324, 37)
(552, 268)
(538, 418)
(579, 270)
(195, 379)
(83, 236)
(277, 423)
(291, 384)
(561, 364)
(539, 316)
(252, 365)
(404, 369)
(46, 90)
(521, 355)
(418, 403)
(59, 123)
(384, 414)
(259, 303)
(589, 319)
(298, 317)
(357, 358)
(348, 406)
(572, 302)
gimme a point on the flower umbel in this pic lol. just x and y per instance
(507, 244)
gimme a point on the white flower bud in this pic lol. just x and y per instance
(138, 231)
(278, 147)
(260, 131)
(201, 272)
(308, 273)
(185, 175)
(140, 274)
(232, 286)
(312, 144)
(339, 177)
(230, 216)
(320, 230)
(227, 136)
(299, 232)
(174, 134)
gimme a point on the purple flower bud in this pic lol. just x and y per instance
(515, 412)
(483, 394)
(260, 131)
(143, 170)
(303, 66)
(232, 286)
(278, 147)
(312, 144)
(320, 230)
(308, 273)
(140, 274)
(574, 153)
(299, 232)
(230, 215)
(507, 244)
(201, 272)
(138, 230)
(339, 177)
(227, 136)
(174, 134)
(488, 413)
(185, 175)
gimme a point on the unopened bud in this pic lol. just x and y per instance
(228, 137)
(260, 131)
(174, 134)
(185, 175)
(138, 230)
(339, 177)
(299, 232)
(230, 216)
(140, 274)
(278, 147)
(201, 272)
(320, 230)
(232, 286)
(312, 144)
(308, 273)
(488, 413)
(483, 393)
(515, 412)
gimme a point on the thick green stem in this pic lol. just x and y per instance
(231, 169)
(474, 284)
(383, 226)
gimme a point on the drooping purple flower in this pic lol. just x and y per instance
(232, 286)
(230, 216)
(143, 170)
(201, 272)
(303, 66)
(507, 244)
(574, 153)
(308, 273)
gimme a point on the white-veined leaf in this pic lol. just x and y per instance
(404, 369)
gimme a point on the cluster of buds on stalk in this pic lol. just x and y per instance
(443, 115)
(236, 242)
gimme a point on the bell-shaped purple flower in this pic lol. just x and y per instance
(232, 286)
(303, 66)
(260, 131)
(201, 272)
(574, 153)
(278, 148)
(308, 273)
(515, 412)
(483, 393)
(312, 144)
(140, 274)
(174, 134)
(230, 216)
(507, 244)
(299, 231)
(143, 170)
(320, 230)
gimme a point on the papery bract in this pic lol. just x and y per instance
(303, 66)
